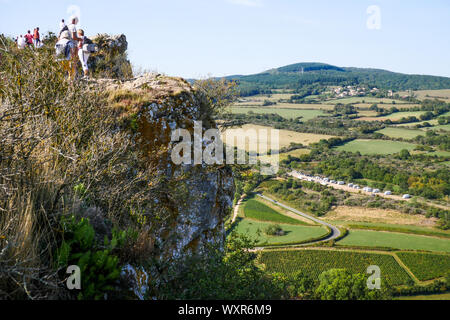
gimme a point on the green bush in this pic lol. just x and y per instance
(99, 267)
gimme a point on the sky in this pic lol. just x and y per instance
(200, 38)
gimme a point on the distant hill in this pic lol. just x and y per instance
(296, 76)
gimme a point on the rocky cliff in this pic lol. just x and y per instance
(100, 149)
(154, 105)
(111, 60)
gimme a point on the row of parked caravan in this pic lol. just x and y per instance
(326, 181)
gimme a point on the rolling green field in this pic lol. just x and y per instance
(392, 228)
(315, 262)
(366, 147)
(285, 113)
(400, 115)
(443, 296)
(402, 133)
(439, 153)
(395, 116)
(254, 209)
(400, 241)
(445, 127)
(364, 100)
(388, 105)
(294, 233)
(426, 266)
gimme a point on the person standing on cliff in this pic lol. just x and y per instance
(21, 42)
(82, 53)
(74, 54)
(36, 38)
(29, 38)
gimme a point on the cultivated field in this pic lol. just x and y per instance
(365, 101)
(374, 215)
(376, 146)
(400, 241)
(430, 94)
(395, 116)
(294, 233)
(426, 266)
(399, 106)
(286, 137)
(284, 105)
(294, 153)
(285, 113)
(443, 296)
(256, 210)
(401, 133)
(314, 262)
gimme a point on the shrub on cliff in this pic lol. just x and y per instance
(54, 134)
(230, 274)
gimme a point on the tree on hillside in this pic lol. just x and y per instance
(340, 284)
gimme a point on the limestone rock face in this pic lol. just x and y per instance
(111, 60)
(114, 42)
(200, 196)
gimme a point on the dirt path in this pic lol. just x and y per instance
(400, 262)
(236, 208)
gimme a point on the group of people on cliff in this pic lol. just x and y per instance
(29, 40)
(73, 45)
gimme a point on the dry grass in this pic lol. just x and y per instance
(286, 137)
(372, 215)
(53, 134)
(443, 94)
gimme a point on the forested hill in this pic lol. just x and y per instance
(298, 75)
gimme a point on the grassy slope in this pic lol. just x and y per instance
(295, 233)
(256, 210)
(376, 146)
(395, 240)
(401, 133)
(285, 113)
(427, 231)
(443, 296)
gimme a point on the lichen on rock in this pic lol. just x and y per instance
(198, 197)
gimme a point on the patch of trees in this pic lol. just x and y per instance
(430, 185)
(319, 202)
(340, 109)
(442, 141)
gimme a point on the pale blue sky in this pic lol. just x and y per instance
(196, 38)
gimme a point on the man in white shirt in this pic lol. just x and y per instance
(21, 42)
(73, 29)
